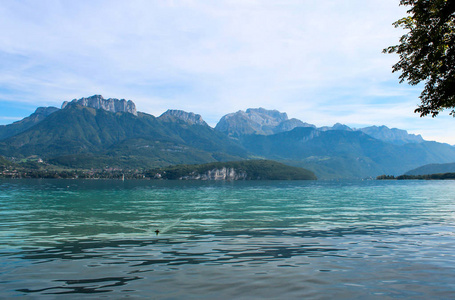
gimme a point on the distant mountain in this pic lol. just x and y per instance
(20, 126)
(344, 154)
(433, 169)
(266, 122)
(337, 126)
(80, 136)
(190, 118)
(389, 135)
(112, 104)
(97, 133)
(394, 135)
(257, 121)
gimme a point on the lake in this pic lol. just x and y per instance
(67, 239)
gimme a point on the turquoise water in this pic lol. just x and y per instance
(227, 240)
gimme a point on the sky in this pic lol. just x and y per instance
(318, 61)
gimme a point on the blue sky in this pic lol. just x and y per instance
(318, 61)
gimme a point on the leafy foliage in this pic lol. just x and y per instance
(4, 163)
(440, 176)
(427, 53)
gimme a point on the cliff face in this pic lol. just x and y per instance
(257, 121)
(260, 121)
(217, 174)
(112, 104)
(45, 111)
(234, 170)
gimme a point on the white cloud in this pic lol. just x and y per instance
(319, 61)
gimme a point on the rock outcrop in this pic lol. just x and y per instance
(267, 122)
(112, 104)
(190, 118)
(217, 174)
(44, 111)
(257, 121)
(389, 135)
(392, 135)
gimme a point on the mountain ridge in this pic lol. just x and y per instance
(267, 122)
(80, 136)
(112, 104)
(188, 117)
(19, 126)
(392, 135)
(336, 154)
(257, 121)
(78, 131)
(253, 121)
(432, 169)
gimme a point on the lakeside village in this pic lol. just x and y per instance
(35, 167)
(107, 173)
(234, 170)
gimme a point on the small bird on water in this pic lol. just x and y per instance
(157, 232)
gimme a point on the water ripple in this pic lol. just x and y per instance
(227, 240)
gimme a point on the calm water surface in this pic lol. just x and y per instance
(65, 239)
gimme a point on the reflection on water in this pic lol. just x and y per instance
(84, 286)
(227, 240)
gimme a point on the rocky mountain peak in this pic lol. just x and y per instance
(392, 135)
(45, 111)
(17, 127)
(266, 117)
(257, 121)
(188, 117)
(336, 126)
(112, 104)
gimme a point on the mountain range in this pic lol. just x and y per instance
(266, 122)
(94, 132)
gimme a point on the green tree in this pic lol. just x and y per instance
(427, 53)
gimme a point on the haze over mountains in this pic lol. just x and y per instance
(266, 122)
(95, 132)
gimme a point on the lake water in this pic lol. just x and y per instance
(65, 239)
